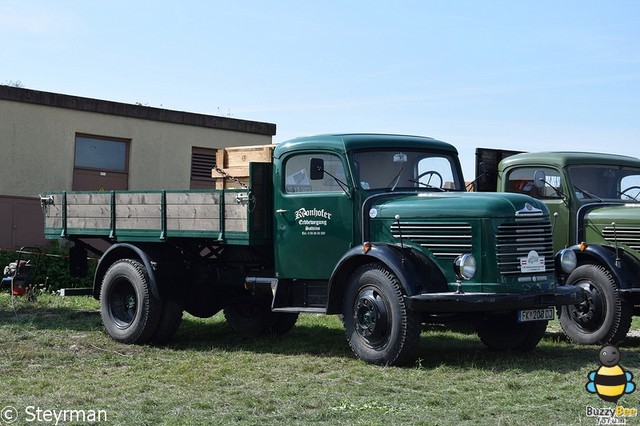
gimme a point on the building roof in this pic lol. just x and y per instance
(57, 100)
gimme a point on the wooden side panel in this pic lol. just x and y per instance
(138, 210)
(193, 211)
(90, 211)
(139, 215)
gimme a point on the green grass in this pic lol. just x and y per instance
(55, 355)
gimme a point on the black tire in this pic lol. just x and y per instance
(255, 318)
(379, 327)
(603, 318)
(170, 320)
(505, 333)
(202, 301)
(284, 323)
(130, 313)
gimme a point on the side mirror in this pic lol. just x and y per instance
(316, 169)
(539, 179)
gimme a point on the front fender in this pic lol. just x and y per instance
(623, 268)
(412, 269)
(124, 251)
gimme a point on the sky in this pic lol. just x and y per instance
(525, 75)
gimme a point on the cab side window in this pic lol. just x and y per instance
(521, 181)
(297, 174)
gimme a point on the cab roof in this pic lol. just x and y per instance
(341, 143)
(562, 159)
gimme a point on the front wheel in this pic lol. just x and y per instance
(505, 333)
(379, 327)
(603, 317)
(130, 313)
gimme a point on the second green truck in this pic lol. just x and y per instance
(594, 200)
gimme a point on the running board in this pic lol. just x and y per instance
(293, 309)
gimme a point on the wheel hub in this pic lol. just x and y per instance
(123, 304)
(371, 317)
(590, 312)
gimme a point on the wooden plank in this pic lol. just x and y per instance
(138, 223)
(193, 211)
(53, 222)
(88, 223)
(220, 157)
(138, 211)
(54, 211)
(138, 198)
(230, 184)
(193, 225)
(236, 211)
(195, 198)
(235, 225)
(243, 155)
(96, 198)
(88, 210)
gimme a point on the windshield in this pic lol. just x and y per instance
(606, 182)
(405, 169)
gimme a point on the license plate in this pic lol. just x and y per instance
(536, 315)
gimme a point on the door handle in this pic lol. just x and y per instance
(281, 211)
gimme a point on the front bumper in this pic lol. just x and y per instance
(486, 302)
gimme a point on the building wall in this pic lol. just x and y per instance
(38, 131)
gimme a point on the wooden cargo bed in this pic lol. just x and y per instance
(232, 216)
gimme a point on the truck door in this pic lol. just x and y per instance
(313, 218)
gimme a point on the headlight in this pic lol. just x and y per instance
(465, 266)
(568, 260)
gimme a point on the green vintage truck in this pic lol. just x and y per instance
(595, 203)
(376, 228)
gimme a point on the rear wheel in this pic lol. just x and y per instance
(603, 317)
(505, 333)
(130, 313)
(170, 320)
(379, 327)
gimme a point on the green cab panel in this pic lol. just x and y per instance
(615, 225)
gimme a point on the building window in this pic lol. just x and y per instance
(100, 153)
(100, 164)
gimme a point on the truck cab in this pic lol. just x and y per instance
(594, 200)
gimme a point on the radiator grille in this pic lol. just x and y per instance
(627, 235)
(515, 240)
(444, 240)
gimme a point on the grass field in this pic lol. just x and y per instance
(54, 355)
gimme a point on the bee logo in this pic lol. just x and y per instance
(610, 381)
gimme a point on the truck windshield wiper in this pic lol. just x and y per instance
(588, 194)
(396, 179)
